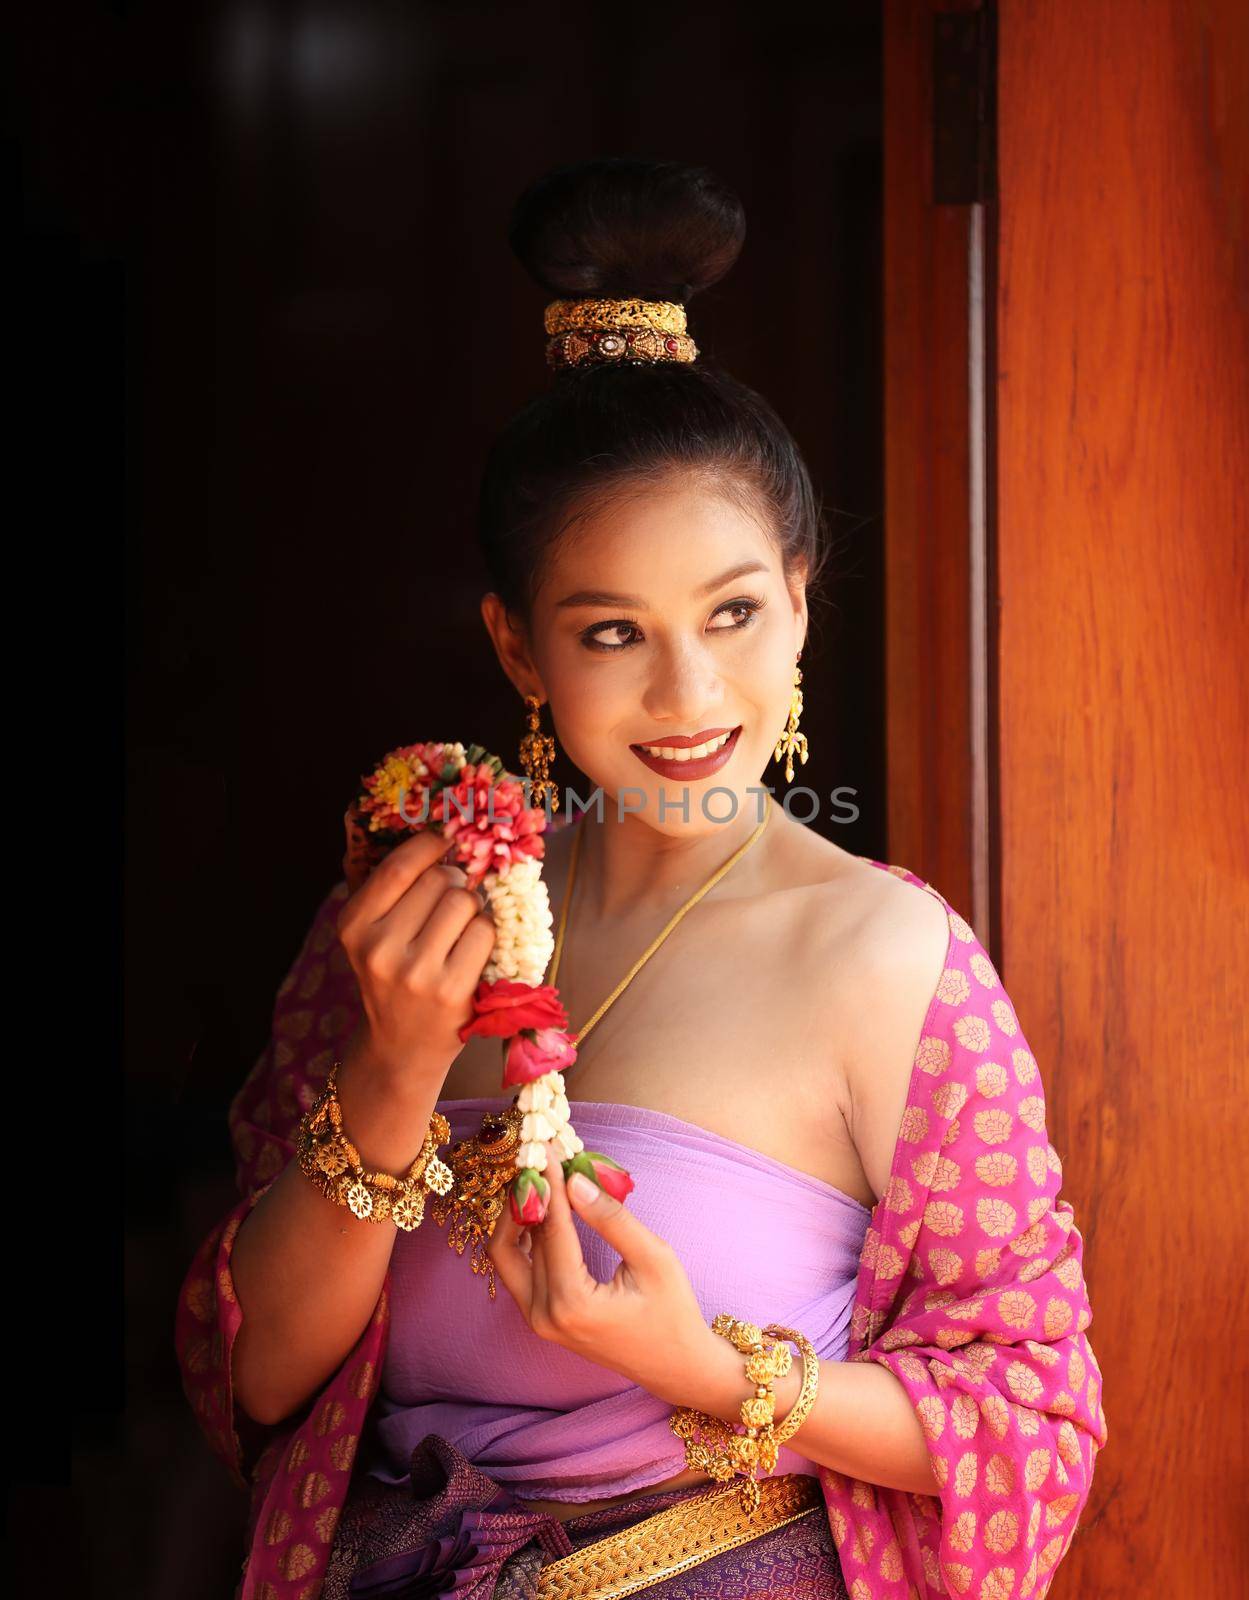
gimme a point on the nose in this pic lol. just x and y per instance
(684, 689)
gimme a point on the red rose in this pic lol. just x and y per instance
(503, 1008)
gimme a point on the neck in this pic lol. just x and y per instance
(627, 867)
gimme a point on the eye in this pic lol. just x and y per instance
(590, 636)
(747, 607)
(750, 608)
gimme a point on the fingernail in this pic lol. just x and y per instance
(581, 1188)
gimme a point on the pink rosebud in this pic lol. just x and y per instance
(534, 1052)
(528, 1196)
(611, 1177)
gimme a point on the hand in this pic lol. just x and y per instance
(418, 939)
(646, 1324)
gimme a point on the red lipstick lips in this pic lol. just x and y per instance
(691, 769)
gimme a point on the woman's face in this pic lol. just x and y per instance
(665, 620)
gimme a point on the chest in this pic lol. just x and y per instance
(734, 1025)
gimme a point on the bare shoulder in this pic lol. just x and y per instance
(884, 925)
(880, 944)
(889, 938)
(902, 954)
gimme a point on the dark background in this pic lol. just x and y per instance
(275, 238)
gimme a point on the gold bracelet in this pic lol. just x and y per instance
(713, 1446)
(328, 1157)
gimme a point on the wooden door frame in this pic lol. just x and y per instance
(940, 235)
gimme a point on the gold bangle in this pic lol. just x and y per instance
(801, 1408)
(328, 1157)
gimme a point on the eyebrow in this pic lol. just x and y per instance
(603, 597)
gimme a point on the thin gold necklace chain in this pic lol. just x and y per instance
(659, 938)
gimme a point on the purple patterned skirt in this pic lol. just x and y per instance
(454, 1531)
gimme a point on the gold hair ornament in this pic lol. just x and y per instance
(586, 316)
(606, 331)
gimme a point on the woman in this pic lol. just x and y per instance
(821, 1090)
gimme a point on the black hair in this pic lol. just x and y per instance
(621, 227)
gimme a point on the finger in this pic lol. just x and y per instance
(562, 1256)
(394, 876)
(540, 1305)
(472, 950)
(424, 922)
(512, 1264)
(436, 923)
(643, 1252)
(356, 859)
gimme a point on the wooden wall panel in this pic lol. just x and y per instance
(1123, 503)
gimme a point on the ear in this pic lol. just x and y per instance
(511, 645)
(796, 583)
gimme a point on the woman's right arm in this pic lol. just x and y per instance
(307, 1273)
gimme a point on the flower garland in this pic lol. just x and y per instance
(467, 795)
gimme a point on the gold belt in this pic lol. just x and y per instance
(676, 1538)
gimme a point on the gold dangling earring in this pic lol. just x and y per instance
(791, 742)
(537, 752)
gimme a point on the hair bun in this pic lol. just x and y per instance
(620, 227)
